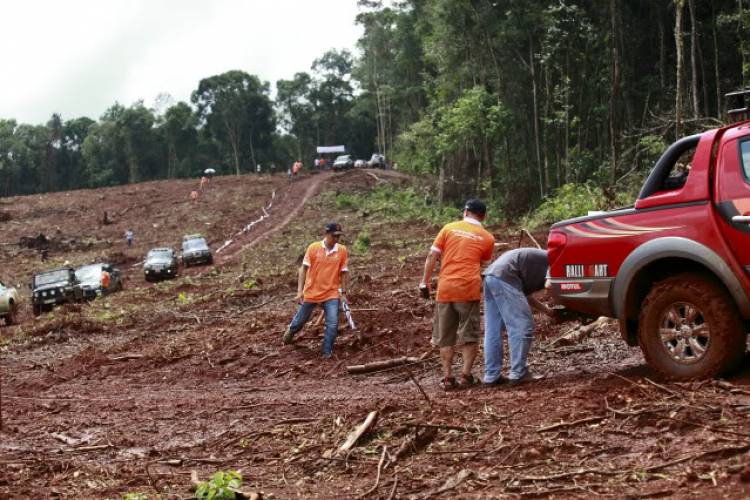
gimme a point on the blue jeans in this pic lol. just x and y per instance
(506, 308)
(331, 309)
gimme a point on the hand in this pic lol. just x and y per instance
(342, 298)
(426, 285)
(299, 297)
(555, 315)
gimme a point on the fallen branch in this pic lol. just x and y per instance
(572, 424)
(377, 478)
(354, 356)
(127, 357)
(89, 448)
(668, 391)
(486, 440)
(65, 439)
(415, 444)
(437, 426)
(524, 231)
(379, 365)
(419, 387)
(452, 483)
(580, 472)
(393, 490)
(575, 336)
(358, 432)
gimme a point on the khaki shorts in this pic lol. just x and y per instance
(456, 320)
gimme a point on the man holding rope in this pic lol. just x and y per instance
(322, 280)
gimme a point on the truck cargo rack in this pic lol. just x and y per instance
(736, 100)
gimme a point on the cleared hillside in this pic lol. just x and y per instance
(135, 392)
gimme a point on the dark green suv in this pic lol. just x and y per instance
(160, 263)
(54, 287)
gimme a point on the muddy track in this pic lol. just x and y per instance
(287, 204)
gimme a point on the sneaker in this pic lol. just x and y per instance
(524, 380)
(500, 381)
(326, 355)
(287, 338)
(449, 383)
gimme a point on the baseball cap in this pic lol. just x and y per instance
(477, 207)
(334, 228)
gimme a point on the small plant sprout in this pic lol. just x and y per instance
(220, 486)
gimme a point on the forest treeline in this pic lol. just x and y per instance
(511, 100)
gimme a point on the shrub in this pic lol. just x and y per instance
(362, 245)
(218, 487)
(345, 201)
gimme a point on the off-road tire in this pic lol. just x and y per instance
(210, 260)
(36, 309)
(12, 317)
(722, 342)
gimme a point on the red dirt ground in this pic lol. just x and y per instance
(132, 393)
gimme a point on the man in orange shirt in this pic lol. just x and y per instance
(462, 247)
(105, 282)
(297, 166)
(321, 280)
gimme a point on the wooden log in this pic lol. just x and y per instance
(576, 336)
(379, 365)
(415, 444)
(358, 432)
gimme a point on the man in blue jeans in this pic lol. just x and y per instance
(509, 285)
(321, 280)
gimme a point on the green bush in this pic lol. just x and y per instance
(345, 201)
(362, 245)
(218, 487)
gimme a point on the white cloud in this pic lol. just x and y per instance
(79, 57)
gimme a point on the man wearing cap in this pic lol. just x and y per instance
(462, 247)
(322, 280)
(509, 285)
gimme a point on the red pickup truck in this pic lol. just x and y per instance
(674, 269)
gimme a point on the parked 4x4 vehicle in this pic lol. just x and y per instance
(90, 278)
(9, 303)
(377, 161)
(195, 250)
(160, 263)
(675, 267)
(343, 163)
(54, 287)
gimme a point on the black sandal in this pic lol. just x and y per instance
(449, 383)
(467, 380)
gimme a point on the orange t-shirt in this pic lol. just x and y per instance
(324, 272)
(463, 247)
(105, 279)
(296, 167)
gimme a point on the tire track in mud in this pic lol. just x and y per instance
(297, 197)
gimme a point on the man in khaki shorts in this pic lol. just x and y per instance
(462, 247)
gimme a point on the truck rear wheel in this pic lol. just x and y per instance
(690, 328)
(12, 317)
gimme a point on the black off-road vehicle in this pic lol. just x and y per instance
(195, 250)
(54, 287)
(160, 263)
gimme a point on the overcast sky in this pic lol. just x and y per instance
(77, 57)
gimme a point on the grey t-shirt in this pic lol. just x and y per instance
(524, 269)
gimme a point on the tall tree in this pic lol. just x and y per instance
(235, 105)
